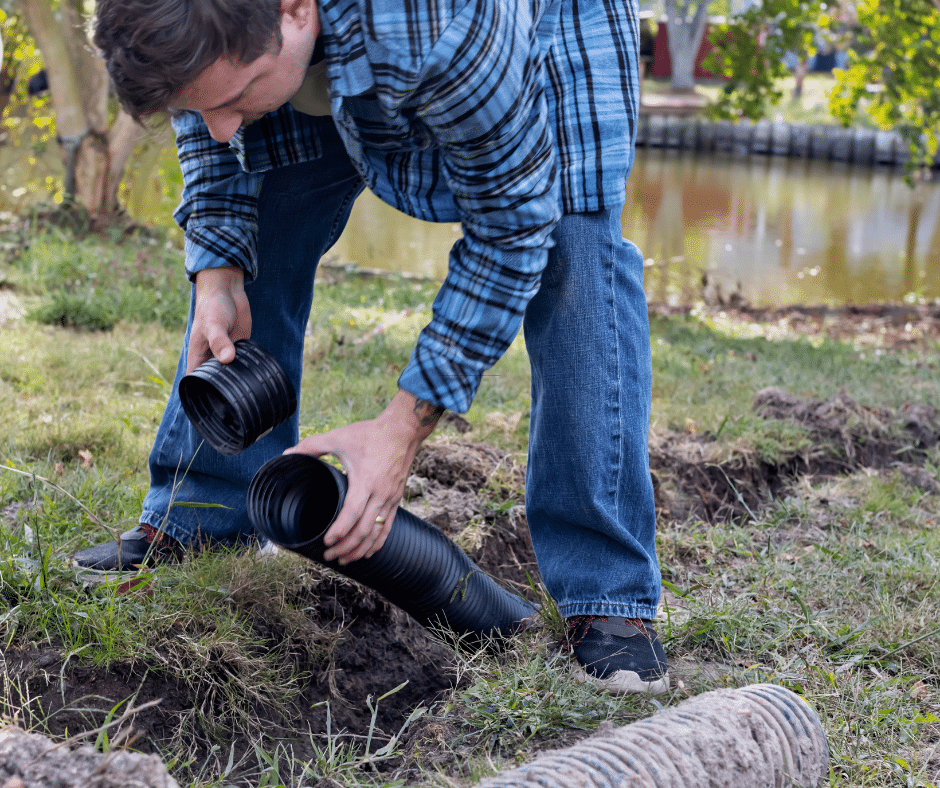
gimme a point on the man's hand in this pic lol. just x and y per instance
(221, 316)
(377, 456)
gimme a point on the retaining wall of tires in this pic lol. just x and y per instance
(867, 147)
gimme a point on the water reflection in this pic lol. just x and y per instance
(780, 231)
(769, 231)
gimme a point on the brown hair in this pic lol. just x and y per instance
(153, 48)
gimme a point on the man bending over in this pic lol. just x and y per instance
(515, 118)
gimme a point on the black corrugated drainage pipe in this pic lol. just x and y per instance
(293, 500)
(233, 405)
(762, 736)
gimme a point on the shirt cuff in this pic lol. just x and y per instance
(220, 246)
(438, 374)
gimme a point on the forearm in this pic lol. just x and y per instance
(477, 315)
(410, 419)
(219, 207)
(221, 316)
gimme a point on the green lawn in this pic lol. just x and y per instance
(823, 580)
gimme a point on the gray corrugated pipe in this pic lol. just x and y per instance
(762, 736)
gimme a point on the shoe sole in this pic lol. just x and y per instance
(93, 575)
(623, 682)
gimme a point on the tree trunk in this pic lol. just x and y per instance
(799, 77)
(93, 156)
(686, 30)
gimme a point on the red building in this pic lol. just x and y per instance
(662, 61)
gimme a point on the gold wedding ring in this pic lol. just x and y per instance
(380, 520)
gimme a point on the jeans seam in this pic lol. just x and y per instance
(616, 377)
(342, 211)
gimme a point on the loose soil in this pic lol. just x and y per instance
(474, 493)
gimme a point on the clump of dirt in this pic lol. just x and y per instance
(896, 326)
(868, 437)
(844, 436)
(31, 760)
(476, 495)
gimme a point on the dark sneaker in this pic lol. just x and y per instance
(622, 655)
(142, 543)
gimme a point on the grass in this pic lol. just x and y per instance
(710, 368)
(829, 589)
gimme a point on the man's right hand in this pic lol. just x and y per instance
(221, 316)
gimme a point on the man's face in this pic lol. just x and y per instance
(230, 95)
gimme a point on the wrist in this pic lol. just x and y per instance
(413, 416)
(222, 276)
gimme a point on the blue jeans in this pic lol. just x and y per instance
(302, 211)
(590, 500)
(589, 497)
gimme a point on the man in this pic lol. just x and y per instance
(514, 117)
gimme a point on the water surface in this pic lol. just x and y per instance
(770, 231)
(766, 230)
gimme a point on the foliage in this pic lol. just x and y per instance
(892, 70)
(21, 60)
(18, 55)
(752, 57)
(27, 124)
(900, 49)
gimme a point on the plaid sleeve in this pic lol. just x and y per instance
(219, 208)
(483, 105)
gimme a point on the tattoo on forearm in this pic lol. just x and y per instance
(427, 413)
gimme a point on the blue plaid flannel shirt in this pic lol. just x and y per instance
(498, 114)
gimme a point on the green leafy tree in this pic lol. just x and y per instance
(26, 126)
(16, 49)
(893, 65)
(750, 49)
(899, 55)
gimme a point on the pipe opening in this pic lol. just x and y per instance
(233, 405)
(293, 499)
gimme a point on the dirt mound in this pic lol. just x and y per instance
(871, 325)
(869, 437)
(475, 494)
(842, 435)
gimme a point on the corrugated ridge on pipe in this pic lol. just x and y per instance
(761, 736)
(294, 498)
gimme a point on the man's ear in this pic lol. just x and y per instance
(301, 12)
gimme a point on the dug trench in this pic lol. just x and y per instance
(475, 494)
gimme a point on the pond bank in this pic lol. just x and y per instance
(867, 147)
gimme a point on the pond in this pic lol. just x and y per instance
(759, 230)
(766, 231)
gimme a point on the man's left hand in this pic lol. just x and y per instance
(377, 455)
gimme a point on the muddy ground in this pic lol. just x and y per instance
(455, 483)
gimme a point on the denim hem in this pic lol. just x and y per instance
(184, 536)
(156, 520)
(625, 610)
